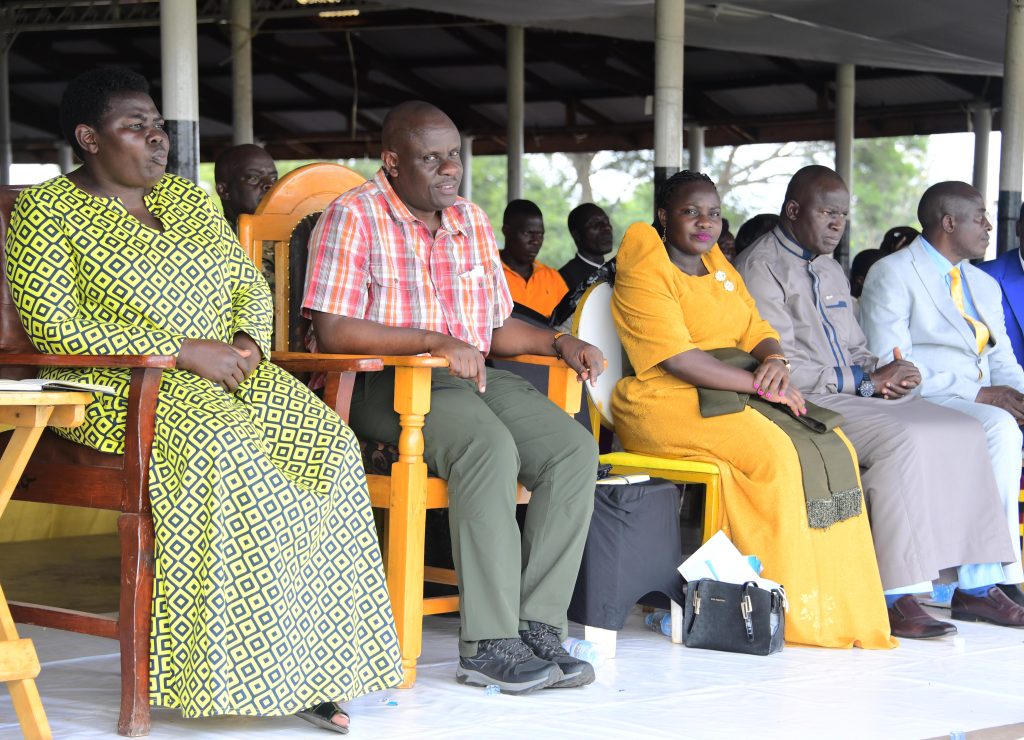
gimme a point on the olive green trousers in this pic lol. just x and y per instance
(481, 444)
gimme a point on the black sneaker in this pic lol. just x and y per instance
(543, 640)
(508, 664)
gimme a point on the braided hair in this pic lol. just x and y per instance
(669, 188)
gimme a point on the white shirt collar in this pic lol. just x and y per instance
(589, 262)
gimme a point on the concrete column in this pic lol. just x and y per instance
(981, 122)
(1011, 155)
(179, 68)
(466, 149)
(668, 88)
(6, 157)
(241, 71)
(65, 157)
(695, 139)
(845, 74)
(515, 62)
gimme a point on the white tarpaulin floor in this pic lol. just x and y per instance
(652, 689)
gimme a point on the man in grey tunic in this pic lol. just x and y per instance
(930, 489)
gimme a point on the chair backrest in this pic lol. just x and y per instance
(12, 334)
(300, 193)
(593, 323)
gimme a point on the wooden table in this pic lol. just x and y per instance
(29, 414)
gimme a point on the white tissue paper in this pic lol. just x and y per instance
(719, 559)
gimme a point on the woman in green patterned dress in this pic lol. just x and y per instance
(269, 596)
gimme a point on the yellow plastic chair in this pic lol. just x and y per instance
(593, 323)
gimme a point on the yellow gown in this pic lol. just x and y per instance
(830, 575)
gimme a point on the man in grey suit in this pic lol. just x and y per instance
(931, 495)
(947, 318)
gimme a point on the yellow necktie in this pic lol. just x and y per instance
(956, 290)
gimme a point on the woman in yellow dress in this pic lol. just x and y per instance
(676, 298)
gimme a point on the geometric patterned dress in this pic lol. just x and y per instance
(269, 594)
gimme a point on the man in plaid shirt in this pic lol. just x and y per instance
(402, 266)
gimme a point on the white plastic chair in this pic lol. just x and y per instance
(593, 323)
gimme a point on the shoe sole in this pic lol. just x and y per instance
(476, 678)
(968, 617)
(577, 680)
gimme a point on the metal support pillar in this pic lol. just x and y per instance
(466, 150)
(981, 122)
(1011, 155)
(845, 76)
(515, 62)
(179, 68)
(669, 16)
(241, 71)
(695, 139)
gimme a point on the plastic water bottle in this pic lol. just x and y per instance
(956, 735)
(660, 622)
(582, 649)
(492, 690)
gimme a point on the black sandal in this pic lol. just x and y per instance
(322, 715)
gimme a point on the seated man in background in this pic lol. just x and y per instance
(243, 174)
(859, 269)
(591, 231)
(944, 314)
(930, 491)
(753, 229)
(402, 266)
(533, 285)
(1008, 270)
(727, 242)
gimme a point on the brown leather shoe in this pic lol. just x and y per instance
(1013, 592)
(996, 608)
(908, 619)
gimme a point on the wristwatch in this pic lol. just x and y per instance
(866, 387)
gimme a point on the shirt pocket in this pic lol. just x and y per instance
(476, 295)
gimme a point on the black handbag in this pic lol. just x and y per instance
(736, 618)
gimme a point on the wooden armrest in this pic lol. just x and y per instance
(532, 360)
(316, 363)
(387, 360)
(40, 360)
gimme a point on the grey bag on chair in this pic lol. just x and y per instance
(736, 618)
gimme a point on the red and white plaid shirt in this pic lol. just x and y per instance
(370, 258)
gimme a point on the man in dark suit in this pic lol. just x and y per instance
(1008, 270)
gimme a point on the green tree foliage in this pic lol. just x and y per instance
(889, 176)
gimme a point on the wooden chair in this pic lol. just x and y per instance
(408, 492)
(62, 472)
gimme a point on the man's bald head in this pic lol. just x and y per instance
(242, 175)
(953, 220)
(409, 119)
(951, 197)
(421, 158)
(810, 179)
(816, 208)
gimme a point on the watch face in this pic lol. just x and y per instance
(867, 388)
